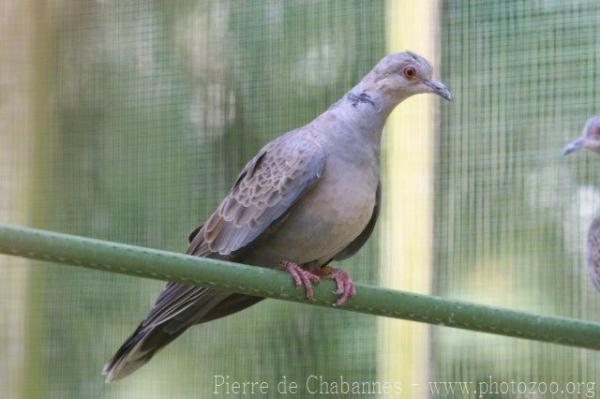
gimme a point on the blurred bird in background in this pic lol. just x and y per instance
(308, 197)
(590, 140)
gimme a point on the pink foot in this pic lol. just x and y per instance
(343, 281)
(301, 277)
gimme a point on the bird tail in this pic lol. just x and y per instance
(136, 351)
(150, 337)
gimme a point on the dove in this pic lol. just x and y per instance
(309, 197)
(590, 140)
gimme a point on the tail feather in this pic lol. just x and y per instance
(148, 338)
(136, 351)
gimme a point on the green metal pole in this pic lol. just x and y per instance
(163, 265)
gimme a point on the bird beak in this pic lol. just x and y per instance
(573, 146)
(439, 88)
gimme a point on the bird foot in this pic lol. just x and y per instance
(344, 285)
(301, 277)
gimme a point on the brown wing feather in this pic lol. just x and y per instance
(267, 188)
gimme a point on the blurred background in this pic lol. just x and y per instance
(128, 121)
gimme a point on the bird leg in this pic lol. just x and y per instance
(343, 281)
(301, 277)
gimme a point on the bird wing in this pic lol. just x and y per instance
(593, 255)
(362, 238)
(266, 189)
(264, 192)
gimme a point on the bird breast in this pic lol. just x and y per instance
(327, 219)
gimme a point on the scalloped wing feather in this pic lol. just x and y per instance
(268, 187)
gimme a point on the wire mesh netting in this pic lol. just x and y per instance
(128, 121)
(511, 213)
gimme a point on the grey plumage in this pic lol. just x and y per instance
(590, 140)
(309, 196)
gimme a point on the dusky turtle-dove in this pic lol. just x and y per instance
(308, 197)
(590, 140)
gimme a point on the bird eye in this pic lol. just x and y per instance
(409, 72)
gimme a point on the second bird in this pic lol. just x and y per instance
(590, 140)
(308, 197)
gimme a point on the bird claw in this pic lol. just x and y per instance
(301, 277)
(345, 288)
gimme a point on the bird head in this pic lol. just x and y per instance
(589, 139)
(401, 75)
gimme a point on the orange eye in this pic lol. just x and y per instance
(409, 72)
